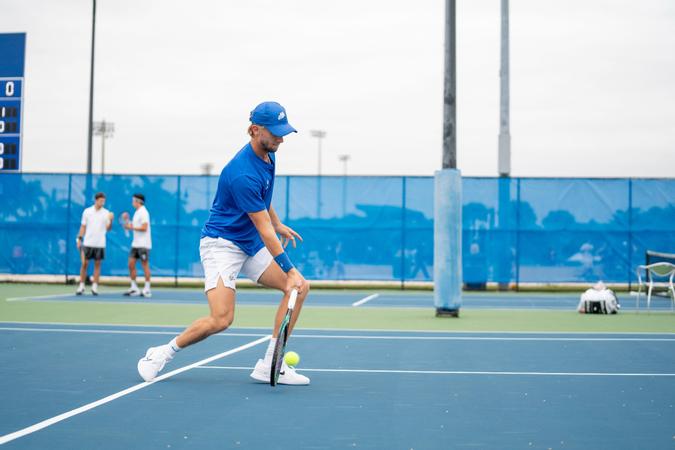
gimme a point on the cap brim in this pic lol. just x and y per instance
(281, 129)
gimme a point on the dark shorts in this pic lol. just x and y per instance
(139, 253)
(96, 253)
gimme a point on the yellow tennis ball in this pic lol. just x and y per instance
(292, 358)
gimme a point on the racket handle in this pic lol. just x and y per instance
(293, 297)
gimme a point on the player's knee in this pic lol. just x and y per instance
(222, 322)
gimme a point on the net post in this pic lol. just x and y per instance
(447, 242)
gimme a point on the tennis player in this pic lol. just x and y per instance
(243, 234)
(140, 246)
(96, 222)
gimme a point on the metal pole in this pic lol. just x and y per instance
(344, 159)
(318, 181)
(103, 127)
(504, 160)
(447, 189)
(450, 90)
(319, 135)
(504, 149)
(318, 170)
(318, 185)
(91, 89)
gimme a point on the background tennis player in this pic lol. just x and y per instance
(240, 236)
(140, 246)
(96, 222)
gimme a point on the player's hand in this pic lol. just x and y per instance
(287, 234)
(79, 244)
(295, 281)
(128, 226)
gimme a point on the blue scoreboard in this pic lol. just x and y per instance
(12, 56)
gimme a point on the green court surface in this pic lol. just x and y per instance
(90, 310)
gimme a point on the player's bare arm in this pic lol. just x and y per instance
(130, 226)
(80, 236)
(286, 233)
(263, 223)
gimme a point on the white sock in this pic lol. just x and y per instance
(81, 285)
(94, 286)
(146, 285)
(173, 347)
(270, 352)
(134, 285)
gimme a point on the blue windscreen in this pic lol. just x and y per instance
(543, 230)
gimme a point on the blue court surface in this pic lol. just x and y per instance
(363, 299)
(67, 386)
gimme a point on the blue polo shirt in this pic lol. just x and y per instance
(245, 186)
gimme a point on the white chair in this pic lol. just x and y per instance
(659, 270)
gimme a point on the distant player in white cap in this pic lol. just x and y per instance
(96, 222)
(140, 246)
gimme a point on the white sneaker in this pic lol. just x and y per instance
(94, 291)
(132, 292)
(79, 291)
(288, 375)
(146, 293)
(154, 361)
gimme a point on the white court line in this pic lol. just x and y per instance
(46, 423)
(366, 299)
(348, 336)
(465, 372)
(40, 297)
(84, 330)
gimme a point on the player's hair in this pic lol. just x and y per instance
(99, 195)
(140, 198)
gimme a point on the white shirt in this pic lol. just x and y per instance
(96, 223)
(142, 239)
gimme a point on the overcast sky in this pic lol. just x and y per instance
(593, 83)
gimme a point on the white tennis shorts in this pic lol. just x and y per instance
(222, 258)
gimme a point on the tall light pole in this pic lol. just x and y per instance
(206, 171)
(504, 156)
(344, 159)
(91, 89)
(207, 168)
(105, 130)
(319, 135)
(504, 100)
(449, 160)
(448, 189)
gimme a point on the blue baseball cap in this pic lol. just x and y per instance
(272, 116)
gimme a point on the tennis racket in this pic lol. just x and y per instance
(123, 220)
(282, 337)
